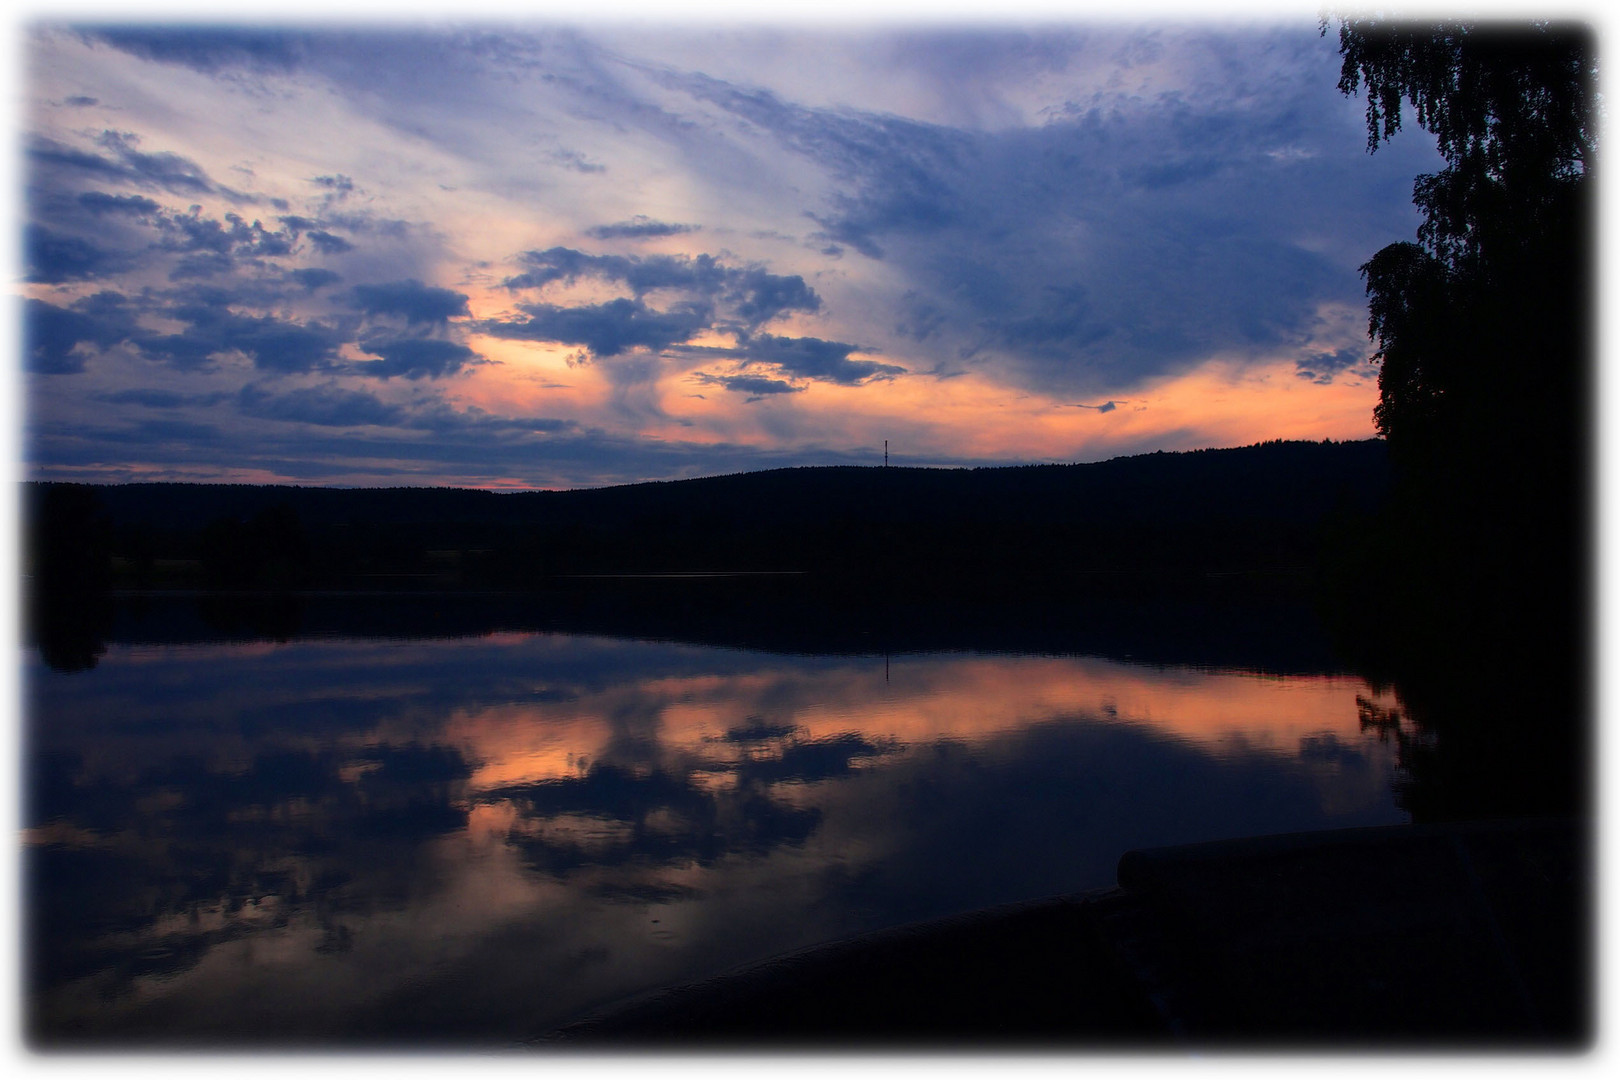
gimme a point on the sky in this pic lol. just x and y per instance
(513, 255)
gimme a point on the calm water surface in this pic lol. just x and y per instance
(470, 841)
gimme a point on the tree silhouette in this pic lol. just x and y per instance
(1482, 332)
(1486, 314)
(1482, 325)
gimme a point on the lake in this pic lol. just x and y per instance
(345, 838)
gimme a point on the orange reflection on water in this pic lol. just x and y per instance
(716, 720)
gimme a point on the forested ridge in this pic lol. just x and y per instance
(1258, 507)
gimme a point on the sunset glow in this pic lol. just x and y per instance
(536, 255)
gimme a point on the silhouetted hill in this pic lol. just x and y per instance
(1211, 511)
(1154, 557)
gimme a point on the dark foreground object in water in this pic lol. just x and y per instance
(1441, 936)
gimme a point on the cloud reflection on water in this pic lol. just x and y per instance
(467, 840)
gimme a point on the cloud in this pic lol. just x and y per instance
(471, 421)
(750, 294)
(1126, 238)
(225, 238)
(182, 434)
(415, 358)
(319, 231)
(327, 405)
(813, 358)
(98, 202)
(1324, 367)
(756, 386)
(205, 49)
(53, 257)
(760, 296)
(576, 161)
(95, 234)
(120, 159)
(639, 227)
(164, 169)
(1070, 214)
(605, 329)
(712, 296)
(159, 399)
(52, 334)
(415, 302)
(314, 277)
(332, 405)
(329, 243)
(273, 344)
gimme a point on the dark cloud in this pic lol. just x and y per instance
(565, 264)
(202, 266)
(326, 406)
(639, 227)
(329, 243)
(751, 295)
(573, 159)
(813, 358)
(416, 358)
(51, 334)
(605, 329)
(281, 346)
(339, 183)
(714, 296)
(325, 241)
(412, 300)
(1063, 322)
(205, 49)
(46, 154)
(191, 232)
(1323, 367)
(185, 352)
(98, 202)
(53, 257)
(903, 171)
(169, 171)
(57, 169)
(756, 386)
(159, 399)
(845, 233)
(1123, 239)
(152, 399)
(761, 297)
(313, 277)
(80, 101)
(273, 344)
(443, 419)
(182, 433)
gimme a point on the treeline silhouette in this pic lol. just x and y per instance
(1153, 556)
(1259, 508)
